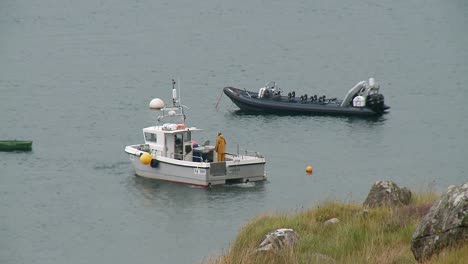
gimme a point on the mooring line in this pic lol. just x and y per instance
(219, 99)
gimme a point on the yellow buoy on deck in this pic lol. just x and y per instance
(309, 169)
(146, 158)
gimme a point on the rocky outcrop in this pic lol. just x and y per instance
(446, 224)
(332, 221)
(278, 239)
(387, 193)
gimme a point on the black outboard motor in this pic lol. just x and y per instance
(376, 102)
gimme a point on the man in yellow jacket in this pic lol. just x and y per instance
(220, 147)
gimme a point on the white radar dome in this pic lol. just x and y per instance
(156, 104)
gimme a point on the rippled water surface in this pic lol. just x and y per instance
(76, 77)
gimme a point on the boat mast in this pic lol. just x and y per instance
(178, 103)
(176, 110)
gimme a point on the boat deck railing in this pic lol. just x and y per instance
(194, 158)
(248, 155)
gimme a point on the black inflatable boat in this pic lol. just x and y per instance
(363, 99)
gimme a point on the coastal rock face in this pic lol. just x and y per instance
(387, 193)
(276, 240)
(445, 224)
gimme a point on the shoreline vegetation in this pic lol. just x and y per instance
(362, 235)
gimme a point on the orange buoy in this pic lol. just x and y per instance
(309, 169)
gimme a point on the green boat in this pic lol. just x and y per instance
(15, 145)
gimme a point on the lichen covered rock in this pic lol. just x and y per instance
(446, 224)
(387, 193)
(332, 221)
(278, 239)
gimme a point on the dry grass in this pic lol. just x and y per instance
(381, 235)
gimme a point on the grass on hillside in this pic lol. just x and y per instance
(382, 235)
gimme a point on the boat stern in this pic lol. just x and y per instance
(237, 169)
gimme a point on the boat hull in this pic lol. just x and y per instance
(15, 145)
(204, 174)
(249, 102)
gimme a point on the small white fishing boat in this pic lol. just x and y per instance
(170, 153)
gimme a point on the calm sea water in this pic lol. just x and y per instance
(76, 77)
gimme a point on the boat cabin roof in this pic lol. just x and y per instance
(169, 130)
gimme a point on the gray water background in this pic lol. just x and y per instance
(76, 77)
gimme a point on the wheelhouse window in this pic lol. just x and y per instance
(150, 137)
(187, 137)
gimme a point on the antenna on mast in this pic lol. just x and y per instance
(180, 100)
(174, 93)
(176, 110)
(180, 93)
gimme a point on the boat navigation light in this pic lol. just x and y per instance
(156, 104)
